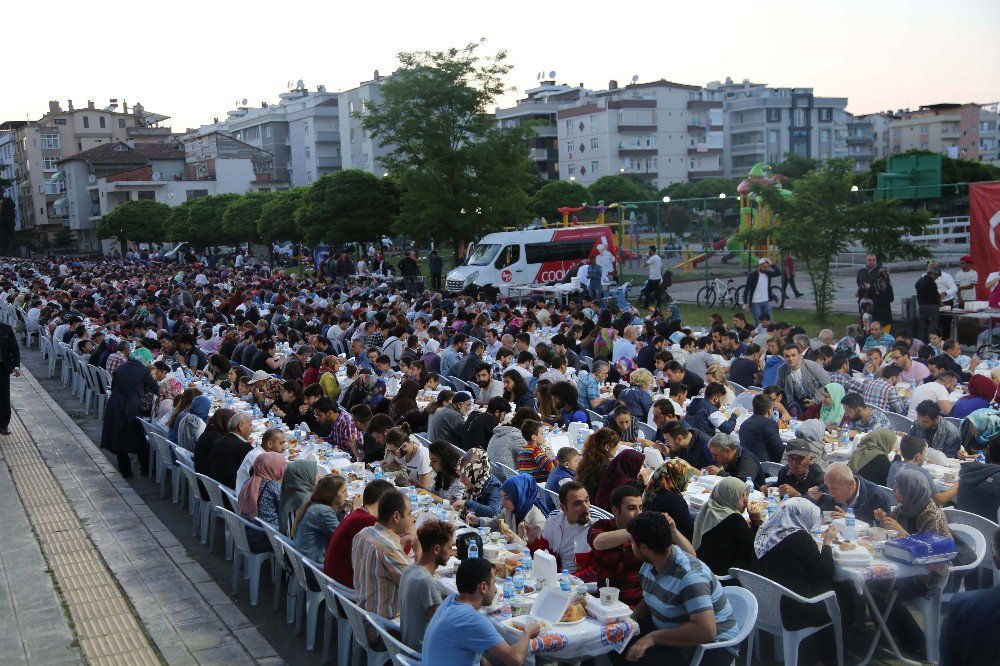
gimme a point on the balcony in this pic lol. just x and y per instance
(637, 151)
(704, 149)
(860, 137)
(327, 137)
(538, 154)
(50, 188)
(546, 131)
(698, 174)
(635, 127)
(748, 148)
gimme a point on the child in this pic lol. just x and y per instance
(934, 340)
(865, 317)
(678, 398)
(567, 460)
(660, 360)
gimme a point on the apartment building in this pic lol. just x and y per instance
(360, 150)
(960, 131)
(8, 166)
(763, 123)
(664, 132)
(39, 146)
(541, 106)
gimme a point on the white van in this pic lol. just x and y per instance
(533, 256)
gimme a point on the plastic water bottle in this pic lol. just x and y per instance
(505, 604)
(519, 580)
(508, 589)
(850, 523)
(980, 458)
(555, 430)
(750, 482)
(772, 506)
(565, 583)
(845, 437)
(378, 472)
(526, 563)
(579, 441)
(473, 549)
(816, 532)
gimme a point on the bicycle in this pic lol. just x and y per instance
(719, 290)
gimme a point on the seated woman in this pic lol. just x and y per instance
(786, 553)
(182, 404)
(636, 397)
(871, 458)
(626, 468)
(193, 424)
(722, 537)
(597, 453)
(260, 497)
(288, 407)
(566, 400)
(982, 393)
(444, 463)
(482, 489)
(516, 390)
(534, 457)
(624, 424)
(664, 491)
(522, 518)
(297, 485)
(317, 519)
(328, 376)
(828, 408)
(403, 407)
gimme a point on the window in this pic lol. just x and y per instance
(569, 250)
(799, 117)
(352, 135)
(924, 129)
(824, 136)
(593, 144)
(593, 122)
(569, 127)
(350, 107)
(146, 195)
(305, 127)
(307, 151)
(49, 163)
(825, 115)
(121, 123)
(86, 122)
(194, 194)
(595, 166)
(571, 168)
(50, 142)
(774, 115)
(508, 256)
(772, 136)
(896, 132)
(103, 121)
(309, 176)
(60, 121)
(267, 131)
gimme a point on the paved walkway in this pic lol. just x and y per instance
(130, 591)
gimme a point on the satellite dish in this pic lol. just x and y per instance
(244, 101)
(156, 175)
(635, 77)
(552, 74)
(300, 84)
(92, 179)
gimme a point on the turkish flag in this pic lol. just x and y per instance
(984, 218)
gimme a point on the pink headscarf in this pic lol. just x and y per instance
(269, 466)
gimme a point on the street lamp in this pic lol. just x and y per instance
(854, 188)
(666, 199)
(722, 195)
(572, 178)
(385, 175)
(622, 170)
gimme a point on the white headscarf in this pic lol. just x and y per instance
(792, 515)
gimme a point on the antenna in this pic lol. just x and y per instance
(538, 76)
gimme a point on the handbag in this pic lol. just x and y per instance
(925, 548)
(462, 544)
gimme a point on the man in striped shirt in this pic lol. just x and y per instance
(378, 555)
(682, 605)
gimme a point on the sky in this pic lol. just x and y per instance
(193, 60)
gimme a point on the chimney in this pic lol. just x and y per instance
(54, 106)
(70, 105)
(377, 77)
(90, 104)
(612, 85)
(124, 106)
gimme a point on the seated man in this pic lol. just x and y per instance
(731, 459)
(979, 483)
(378, 556)
(862, 417)
(800, 473)
(704, 414)
(759, 434)
(844, 490)
(881, 391)
(691, 445)
(614, 559)
(877, 337)
(683, 605)
(419, 596)
(565, 532)
(460, 634)
(968, 635)
(938, 433)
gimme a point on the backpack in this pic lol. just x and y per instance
(603, 343)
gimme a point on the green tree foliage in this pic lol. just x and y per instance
(823, 218)
(554, 195)
(64, 238)
(277, 217)
(199, 221)
(708, 189)
(794, 166)
(347, 206)
(239, 221)
(140, 221)
(446, 149)
(614, 189)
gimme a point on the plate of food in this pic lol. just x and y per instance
(575, 613)
(521, 621)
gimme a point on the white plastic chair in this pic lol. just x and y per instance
(930, 607)
(505, 471)
(307, 600)
(207, 512)
(769, 595)
(646, 430)
(103, 382)
(281, 571)
(332, 591)
(743, 400)
(393, 644)
(987, 528)
(597, 513)
(194, 497)
(770, 468)
(744, 606)
(242, 555)
(356, 616)
(164, 464)
(736, 388)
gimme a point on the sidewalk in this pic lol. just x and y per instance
(130, 590)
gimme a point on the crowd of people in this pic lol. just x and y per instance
(461, 395)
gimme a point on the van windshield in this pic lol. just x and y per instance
(482, 255)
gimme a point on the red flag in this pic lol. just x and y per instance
(984, 236)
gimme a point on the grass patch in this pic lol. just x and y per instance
(837, 321)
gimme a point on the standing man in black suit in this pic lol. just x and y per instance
(10, 362)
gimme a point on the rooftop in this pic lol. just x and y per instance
(122, 153)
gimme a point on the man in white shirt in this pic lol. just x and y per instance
(758, 290)
(273, 439)
(937, 391)
(565, 531)
(655, 265)
(946, 286)
(966, 279)
(582, 273)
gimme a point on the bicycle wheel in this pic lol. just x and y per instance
(706, 296)
(777, 297)
(737, 295)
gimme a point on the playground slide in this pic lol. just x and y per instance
(694, 261)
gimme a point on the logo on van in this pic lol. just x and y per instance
(506, 275)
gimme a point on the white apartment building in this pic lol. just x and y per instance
(8, 166)
(360, 150)
(662, 131)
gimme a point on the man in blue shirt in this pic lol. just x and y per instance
(459, 634)
(878, 337)
(683, 604)
(969, 634)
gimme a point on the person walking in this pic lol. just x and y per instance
(595, 274)
(436, 265)
(10, 359)
(758, 289)
(928, 301)
(652, 289)
(121, 432)
(788, 278)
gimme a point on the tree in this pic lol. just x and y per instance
(446, 149)
(199, 221)
(277, 216)
(794, 166)
(347, 206)
(707, 189)
(615, 189)
(677, 219)
(64, 238)
(556, 194)
(822, 218)
(139, 221)
(240, 218)
(8, 220)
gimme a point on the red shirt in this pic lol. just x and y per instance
(619, 565)
(337, 563)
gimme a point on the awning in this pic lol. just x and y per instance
(57, 177)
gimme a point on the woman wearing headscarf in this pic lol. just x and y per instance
(977, 429)
(786, 553)
(628, 467)
(169, 389)
(871, 458)
(217, 426)
(722, 537)
(831, 412)
(982, 393)
(296, 487)
(522, 517)
(328, 376)
(664, 491)
(193, 424)
(482, 489)
(313, 370)
(260, 497)
(121, 432)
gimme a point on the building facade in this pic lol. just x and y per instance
(663, 132)
(360, 150)
(8, 166)
(959, 131)
(762, 124)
